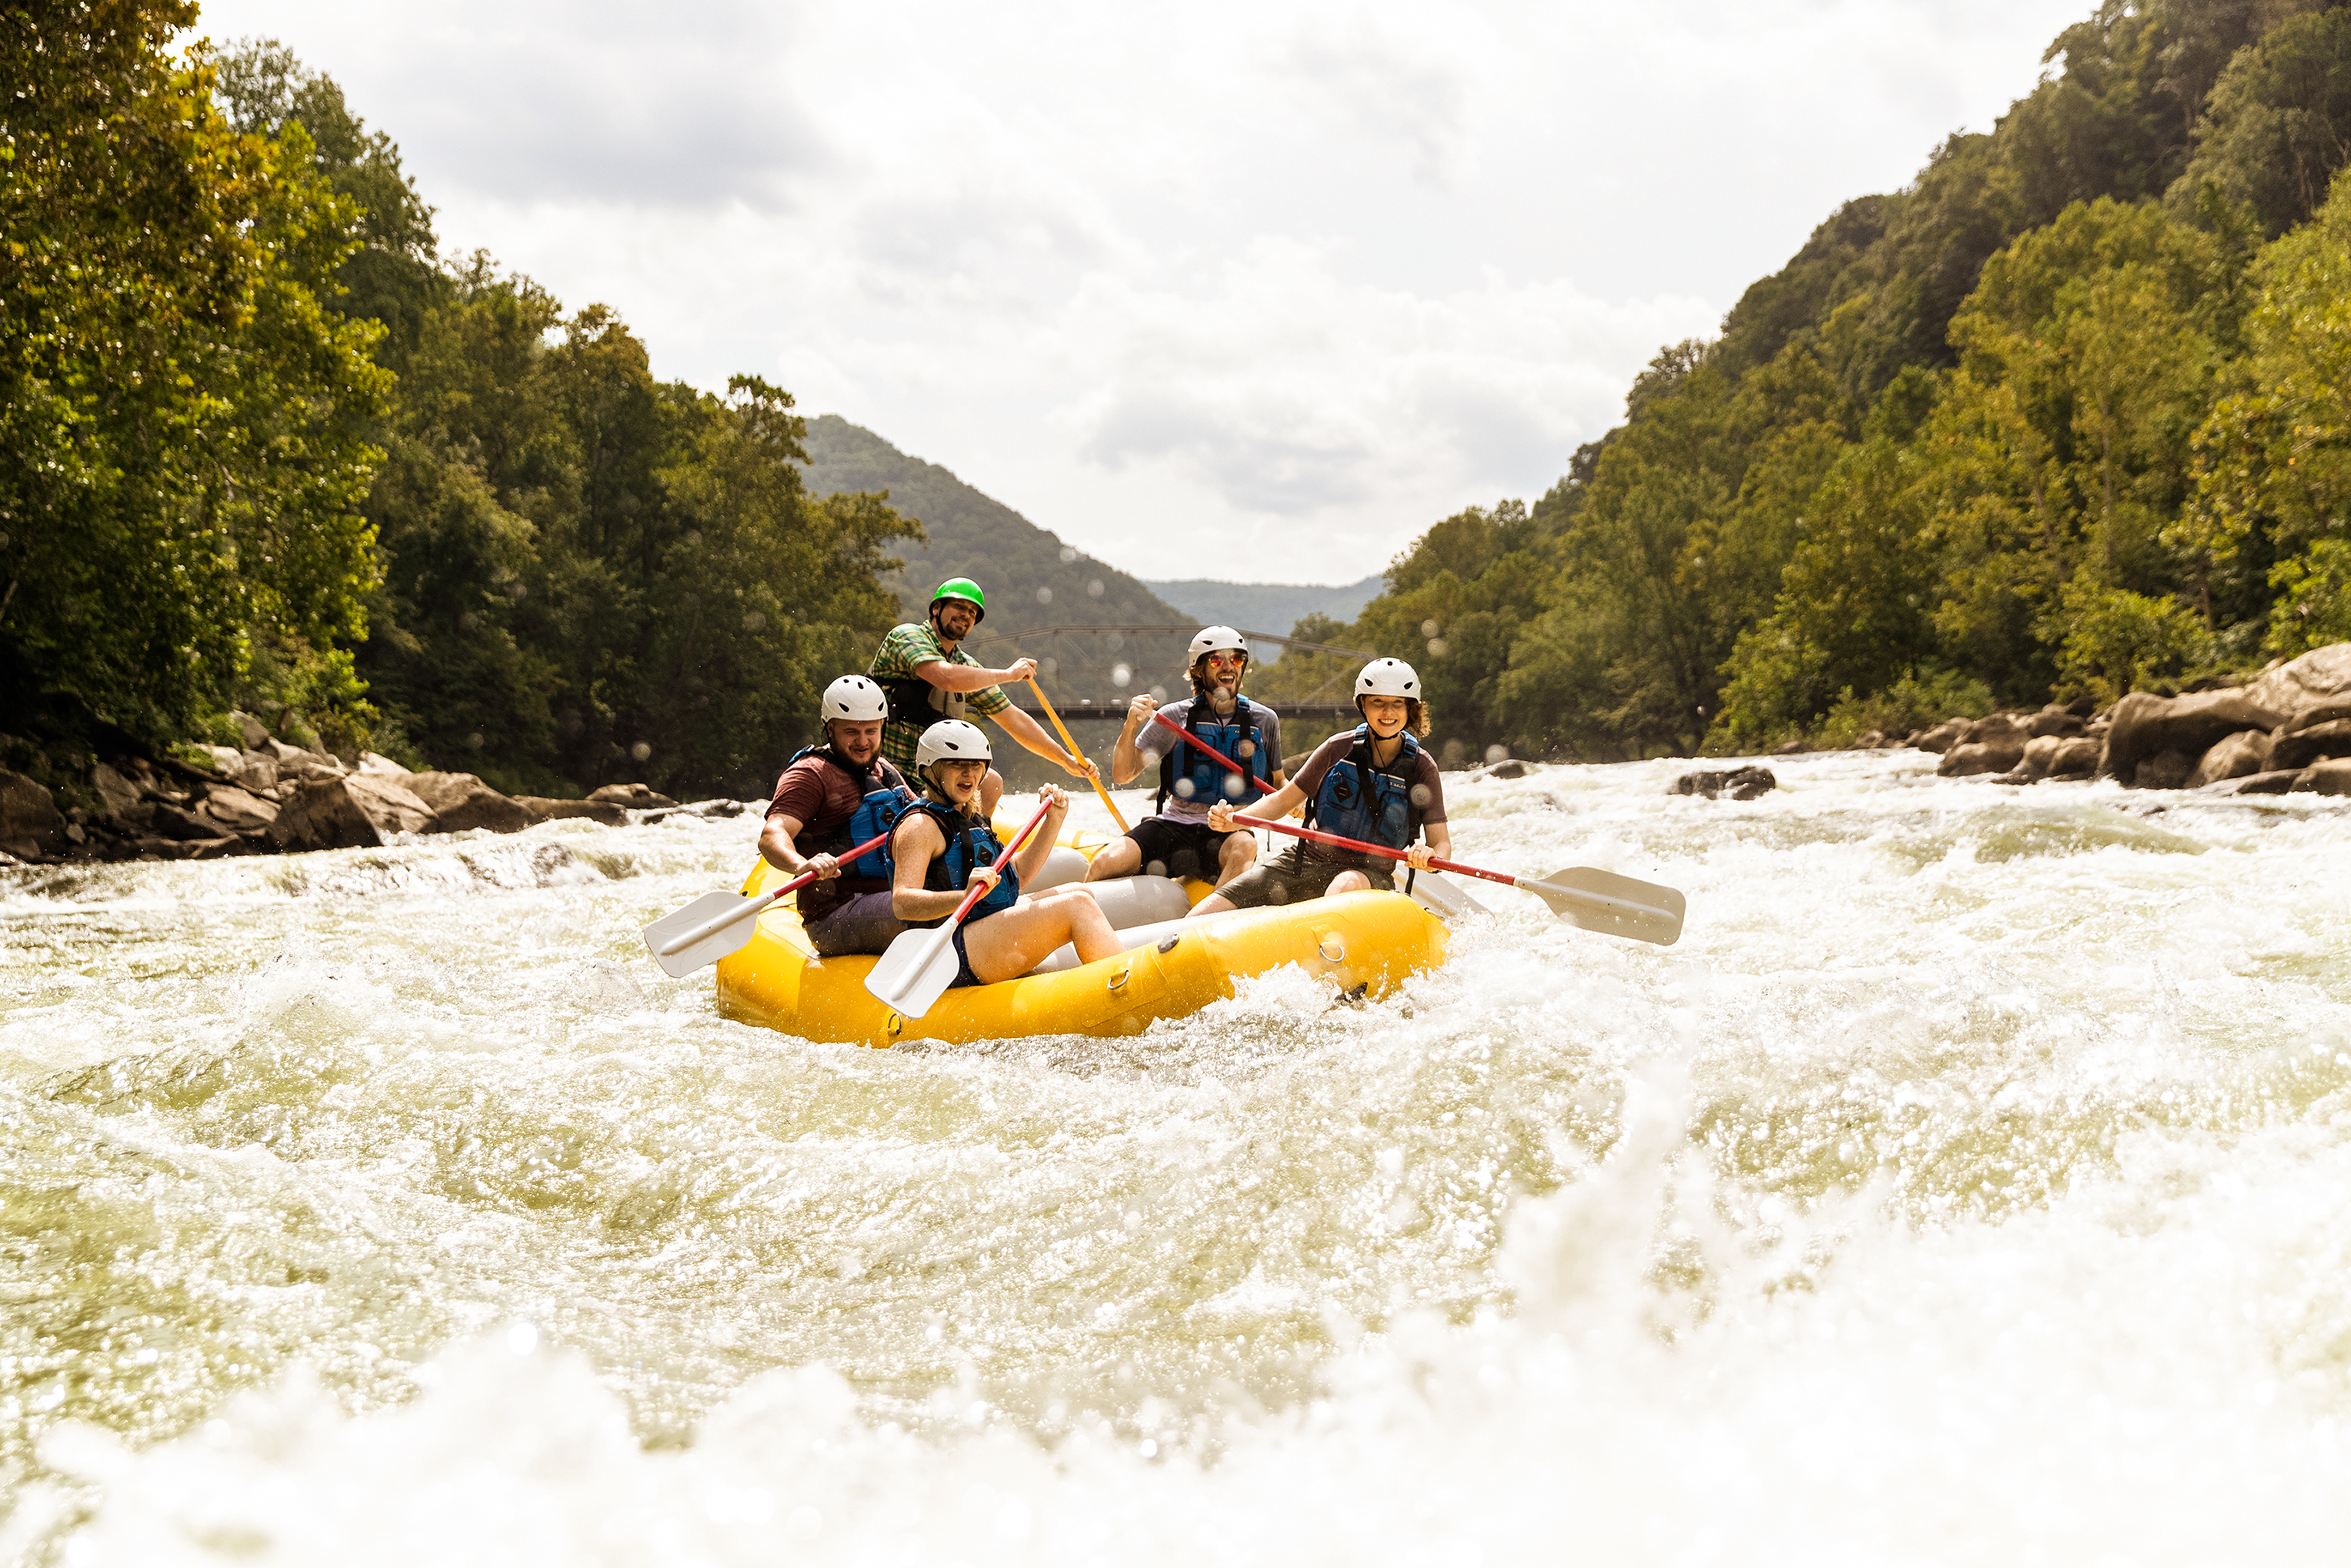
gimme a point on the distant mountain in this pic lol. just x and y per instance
(1267, 606)
(1032, 580)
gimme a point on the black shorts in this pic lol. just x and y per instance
(1292, 876)
(1180, 850)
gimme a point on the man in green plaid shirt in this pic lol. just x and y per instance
(927, 677)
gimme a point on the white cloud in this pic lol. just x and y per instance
(1237, 291)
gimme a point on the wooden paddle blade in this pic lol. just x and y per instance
(712, 945)
(915, 972)
(1618, 905)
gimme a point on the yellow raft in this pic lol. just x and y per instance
(1367, 940)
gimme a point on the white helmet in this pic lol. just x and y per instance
(1211, 638)
(856, 699)
(951, 740)
(1388, 678)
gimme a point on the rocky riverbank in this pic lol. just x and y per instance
(269, 797)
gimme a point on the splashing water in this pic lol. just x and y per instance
(1970, 1183)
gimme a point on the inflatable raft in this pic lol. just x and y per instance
(1359, 941)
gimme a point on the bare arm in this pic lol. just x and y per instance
(1032, 735)
(950, 678)
(1125, 754)
(1282, 803)
(913, 845)
(1031, 858)
(778, 849)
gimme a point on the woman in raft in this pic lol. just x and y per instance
(941, 847)
(1372, 783)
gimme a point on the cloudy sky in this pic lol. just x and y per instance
(1251, 291)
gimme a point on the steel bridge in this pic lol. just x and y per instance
(1114, 708)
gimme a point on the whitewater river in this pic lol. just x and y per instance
(1972, 1183)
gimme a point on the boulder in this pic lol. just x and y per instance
(2164, 770)
(2040, 756)
(2324, 778)
(2246, 751)
(298, 764)
(2275, 782)
(461, 802)
(2054, 720)
(370, 762)
(1509, 767)
(2076, 758)
(226, 759)
(2312, 689)
(545, 809)
(257, 771)
(165, 820)
(30, 823)
(237, 810)
(119, 793)
(2146, 725)
(2292, 748)
(634, 797)
(358, 812)
(1971, 758)
(1739, 783)
(1943, 736)
(255, 733)
(203, 849)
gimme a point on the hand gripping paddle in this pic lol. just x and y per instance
(921, 964)
(719, 923)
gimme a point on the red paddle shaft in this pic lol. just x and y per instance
(1191, 740)
(980, 890)
(843, 858)
(1336, 842)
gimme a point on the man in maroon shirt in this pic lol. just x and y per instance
(832, 797)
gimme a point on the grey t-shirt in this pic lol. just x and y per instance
(1156, 738)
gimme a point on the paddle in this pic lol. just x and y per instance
(921, 964)
(1063, 730)
(704, 931)
(1594, 899)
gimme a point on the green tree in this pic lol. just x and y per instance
(183, 425)
(2279, 122)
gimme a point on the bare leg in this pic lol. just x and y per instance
(1347, 881)
(1215, 903)
(1120, 857)
(1024, 935)
(1238, 854)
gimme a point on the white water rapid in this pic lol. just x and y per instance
(1971, 1184)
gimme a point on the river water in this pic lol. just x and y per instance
(1971, 1183)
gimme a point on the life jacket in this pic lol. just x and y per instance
(878, 809)
(970, 845)
(1185, 764)
(915, 701)
(1359, 800)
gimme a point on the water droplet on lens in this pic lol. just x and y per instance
(1095, 588)
(1044, 596)
(641, 751)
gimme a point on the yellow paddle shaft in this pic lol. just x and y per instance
(1063, 730)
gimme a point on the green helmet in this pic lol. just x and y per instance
(968, 590)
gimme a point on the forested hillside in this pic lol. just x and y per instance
(1032, 580)
(2067, 415)
(264, 448)
(1267, 606)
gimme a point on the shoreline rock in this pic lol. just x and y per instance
(268, 798)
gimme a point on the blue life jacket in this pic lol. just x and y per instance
(970, 845)
(877, 813)
(1186, 765)
(1359, 801)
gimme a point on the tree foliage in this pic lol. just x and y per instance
(2051, 421)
